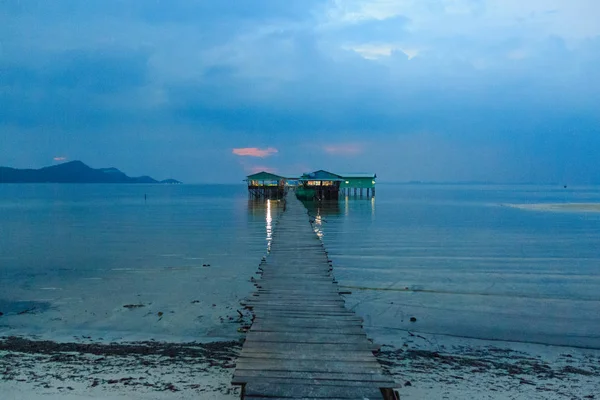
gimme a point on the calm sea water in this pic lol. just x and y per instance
(75, 255)
(463, 263)
(454, 257)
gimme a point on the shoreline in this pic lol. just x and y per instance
(44, 369)
(440, 366)
(424, 366)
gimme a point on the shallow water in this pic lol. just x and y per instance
(456, 258)
(464, 264)
(74, 255)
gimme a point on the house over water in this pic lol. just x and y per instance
(266, 185)
(319, 185)
(356, 183)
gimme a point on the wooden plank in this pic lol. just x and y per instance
(294, 282)
(268, 300)
(272, 312)
(308, 381)
(290, 305)
(301, 323)
(307, 300)
(366, 356)
(297, 293)
(309, 366)
(244, 376)
(327, 294)
(295, 320)
(292, 314)
(282, 337)
(297, 398)
(295, 391)
(276, 327)
(317, 310)
(309, 347)
(285, 276)
(302, 306)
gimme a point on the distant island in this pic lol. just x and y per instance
(73, 172)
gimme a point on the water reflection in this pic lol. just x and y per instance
(320, 211)
(372, 206)
(269, 220)
(346, 208)
(265, 211)
(318, 225)
(323, 208)
(256, 207)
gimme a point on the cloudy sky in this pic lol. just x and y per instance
(206, 91)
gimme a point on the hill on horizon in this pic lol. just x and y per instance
(72, 172)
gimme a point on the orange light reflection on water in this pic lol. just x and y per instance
(318, 225)
(269, 226)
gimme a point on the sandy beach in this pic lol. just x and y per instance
(424, 366)
(31, 369)
(442, 367)
(558, 207)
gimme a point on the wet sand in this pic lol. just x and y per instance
(424, 366)
(441, 367)
(558, 207)
(33, 369)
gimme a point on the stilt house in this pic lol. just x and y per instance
(266, 185)
(319, 185)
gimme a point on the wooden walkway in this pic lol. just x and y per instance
(303, 342)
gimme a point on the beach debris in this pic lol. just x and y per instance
(130, 306)
(206, 265)
(573, 370)
(171, 387)
(407, 383)
(214, 305)
(27, 311)
(526, 382)
(195, 301)
(160, 313)
(1, 313)
(413, 319)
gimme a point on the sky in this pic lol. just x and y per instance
(204, 91)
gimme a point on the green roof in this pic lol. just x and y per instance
(360, 175)
(264, 176)
(321, 175)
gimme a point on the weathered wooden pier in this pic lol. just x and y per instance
(304, 343)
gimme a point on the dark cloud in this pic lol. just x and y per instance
(200, 78)
(168, 11)
(71, 89)
(99, 72)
